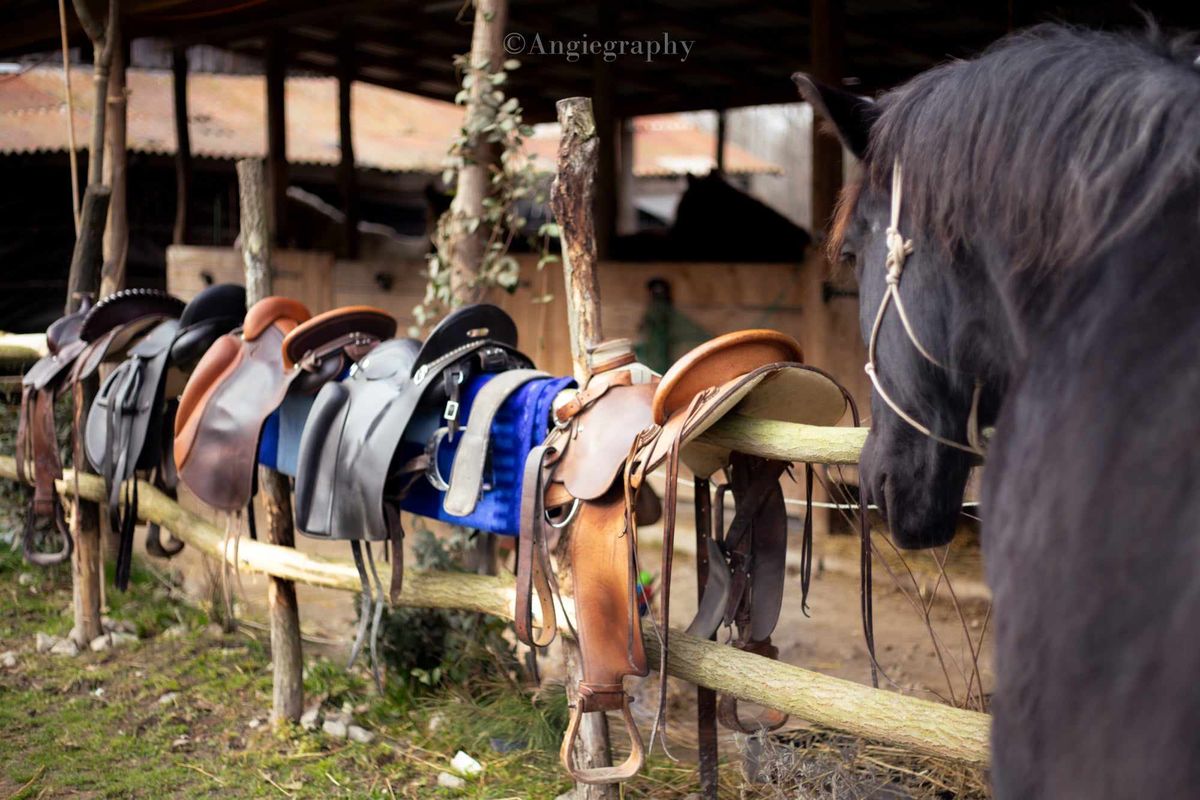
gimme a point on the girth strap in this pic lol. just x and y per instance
(533, 554)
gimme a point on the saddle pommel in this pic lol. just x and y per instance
(287, 312)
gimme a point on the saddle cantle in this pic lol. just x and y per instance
(579, 467)
(756, 373)
(125, 427)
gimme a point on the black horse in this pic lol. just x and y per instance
(1051, 192)
(716, 221)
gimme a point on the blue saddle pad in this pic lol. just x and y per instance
(520, 425)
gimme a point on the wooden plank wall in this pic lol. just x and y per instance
(717, 297)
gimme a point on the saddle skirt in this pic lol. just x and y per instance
(478, 479)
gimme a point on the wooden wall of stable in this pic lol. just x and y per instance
(718, 297)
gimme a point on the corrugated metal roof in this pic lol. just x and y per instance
(393, 131)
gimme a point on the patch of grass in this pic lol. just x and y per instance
(94, 725)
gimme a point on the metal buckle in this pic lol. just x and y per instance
(451, 412)
(433, 472)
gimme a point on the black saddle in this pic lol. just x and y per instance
(352, 472)
(130, 415)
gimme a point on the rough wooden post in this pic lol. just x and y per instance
(87, 573)
(572, 199)
(277, 165)
(183, 139)
(347, 174)
(474, 179)
(826, 48)
(273, 490)
(116, 235)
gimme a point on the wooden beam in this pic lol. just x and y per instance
(572, 199)
(273, 490)
(828, 42)
(347, 175)
(467, 243)
(719, 157)
(277, 166)
(183, 140)
(918, 726)
(116, 236)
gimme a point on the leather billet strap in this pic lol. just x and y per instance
(466, 476)
(533, 554)
(595, 389)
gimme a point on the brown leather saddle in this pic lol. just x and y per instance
(246, 375)
(759, 374)
(578, 472)
(78, 344)
(129, 422)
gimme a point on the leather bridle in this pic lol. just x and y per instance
(899, 249)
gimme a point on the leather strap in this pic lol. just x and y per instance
(466, 476)
(706, 699)
(595, 389)
(533, 566)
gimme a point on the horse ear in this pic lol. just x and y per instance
(691, 180)
(851, 115)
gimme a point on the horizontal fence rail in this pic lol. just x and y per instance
(917, 725)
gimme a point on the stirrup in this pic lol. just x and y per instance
(727, 713)
(601, 775)
(40, 557)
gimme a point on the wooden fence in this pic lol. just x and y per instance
(917, 725)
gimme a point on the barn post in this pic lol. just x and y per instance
(826, 48)
(467, 240)
(84, 279)
(183, 144)
(277, 165)
(572, 199)
(116, 236)
(346, 175)
(87, 573)
(608, 126)
(286, 656)
(719, 156)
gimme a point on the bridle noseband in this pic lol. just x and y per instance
(899, 249)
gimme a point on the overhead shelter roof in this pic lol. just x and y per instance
(742, 52)
(393, 131)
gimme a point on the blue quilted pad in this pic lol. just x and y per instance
(520, 425)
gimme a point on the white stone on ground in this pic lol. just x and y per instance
(448, 781)
(360, 735)
(335, 728)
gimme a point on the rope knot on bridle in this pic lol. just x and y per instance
(899, 249)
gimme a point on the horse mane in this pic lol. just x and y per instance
(1057, 140)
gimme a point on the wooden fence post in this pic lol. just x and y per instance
(572, 198)
(273, 490)
(87, 573)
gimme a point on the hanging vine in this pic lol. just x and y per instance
(514, 183)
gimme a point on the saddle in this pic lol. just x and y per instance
(755, 373)
(280, 351)
(579, 468)
(78, 343)
(125, 425)
(353, 471)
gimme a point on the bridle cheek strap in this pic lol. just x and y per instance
(899, 249)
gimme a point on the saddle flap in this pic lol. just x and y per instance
(604, 433)
(348, 444)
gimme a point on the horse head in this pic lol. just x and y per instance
(940, 367)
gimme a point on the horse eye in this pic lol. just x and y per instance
(848, 258)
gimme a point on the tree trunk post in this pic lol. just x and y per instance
(347, 175)
(572, 198)
(116, 236)
(466, 246)
(286, 655)
(183, 140)
(87, 573)
(277, 165)
(827, 40)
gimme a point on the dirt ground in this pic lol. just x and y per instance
(916, 616)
